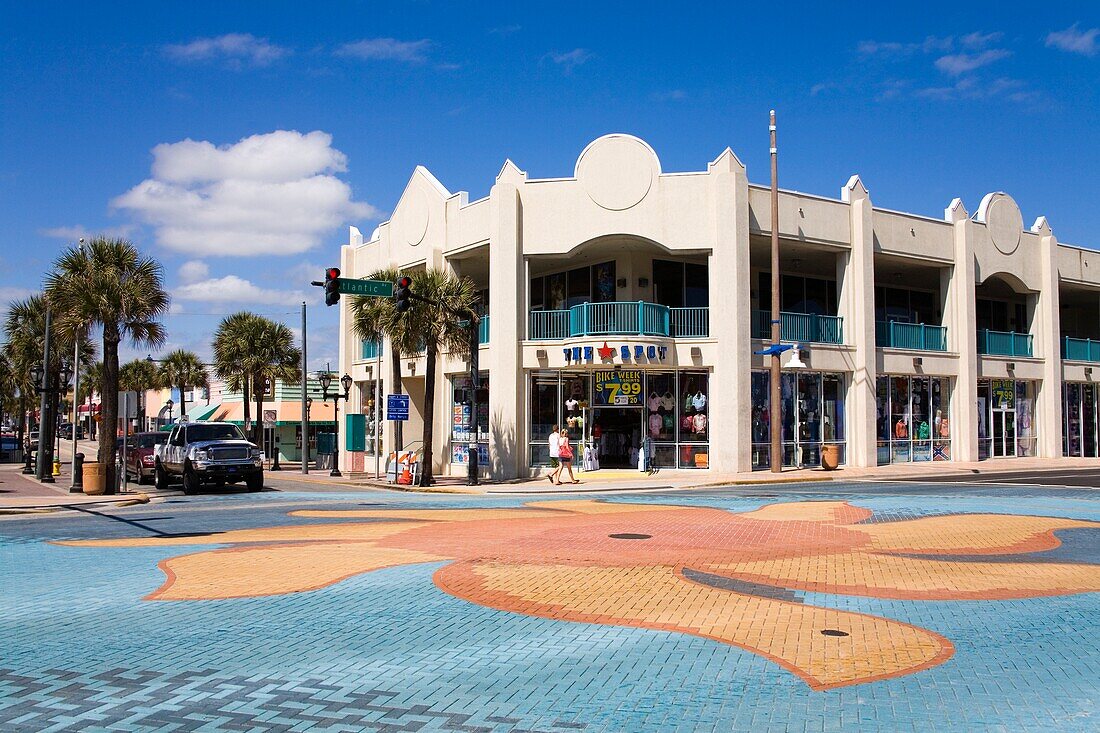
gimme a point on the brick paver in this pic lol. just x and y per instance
(946, 609)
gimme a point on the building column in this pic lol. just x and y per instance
(730, 318)
(857, 307)
(508, 314)
(1048, 338)
(962, 336)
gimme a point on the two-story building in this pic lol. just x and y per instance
(628, 303)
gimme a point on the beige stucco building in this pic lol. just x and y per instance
(627, 302)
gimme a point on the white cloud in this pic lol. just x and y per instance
(569, 60)
(237, 49)
(236, 290)
(193, 271)
(274, 193)
(505, 30)
(386, 49)
(931, 44)
(1075, 40)
(961, 63)
(76, 231)
(11, 293)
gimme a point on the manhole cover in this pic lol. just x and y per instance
(629, 536)
(834, 632)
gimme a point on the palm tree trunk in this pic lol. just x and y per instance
(429, 413)
(395, 388)
(109, 407)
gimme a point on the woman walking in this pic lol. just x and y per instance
(565, 455)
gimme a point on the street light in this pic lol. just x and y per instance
(169, 404)
(325, 378)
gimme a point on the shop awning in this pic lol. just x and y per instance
(198, 413)
(287, 412)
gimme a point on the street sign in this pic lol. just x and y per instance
(379, 288)
(397, 407)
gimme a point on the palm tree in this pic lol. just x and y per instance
(374, 318)
(139, 375)
(25, 327)
(250, 350)
(109, 284)
(232, 342)
(436, 324)
(183, 369)
(272, 357)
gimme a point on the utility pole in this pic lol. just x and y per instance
(776, 462)
(43, 467)
(305, 387)
(77, 483)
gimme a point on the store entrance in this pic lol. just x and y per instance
(617, 432)
(1004, 432)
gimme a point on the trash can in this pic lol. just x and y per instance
(830, 456)
(95, 478)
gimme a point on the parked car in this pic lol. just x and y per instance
(66, 431)
(32, 440)
(140, 462)
(208, 452)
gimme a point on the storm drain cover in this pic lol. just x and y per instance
(629, 536)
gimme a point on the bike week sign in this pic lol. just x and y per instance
(619, 388)
(579, 354)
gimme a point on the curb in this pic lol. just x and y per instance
(52, 508)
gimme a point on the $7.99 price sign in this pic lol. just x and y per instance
(622, 388)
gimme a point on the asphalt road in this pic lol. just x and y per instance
(1075, 478)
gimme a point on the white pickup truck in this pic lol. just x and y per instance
(208, 452)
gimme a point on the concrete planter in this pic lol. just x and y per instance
(95, 479)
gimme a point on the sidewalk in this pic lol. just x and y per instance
(670, 479)
(24, 493)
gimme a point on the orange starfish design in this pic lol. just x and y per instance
(733, 578)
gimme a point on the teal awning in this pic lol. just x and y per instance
(199, 413)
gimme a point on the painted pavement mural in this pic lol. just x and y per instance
(751, 579)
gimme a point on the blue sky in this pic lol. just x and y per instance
(304, 118)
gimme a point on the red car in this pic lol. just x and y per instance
(139, 454)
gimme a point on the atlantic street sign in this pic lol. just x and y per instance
(380, 288)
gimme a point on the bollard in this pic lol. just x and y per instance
(78, 474)
(28, 456)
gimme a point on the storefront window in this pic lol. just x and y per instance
(369, 409)
(462, 424)
(668, 413)
(813, 413)
(913, 422)
(761, 419)
(1025, 419)
(543, 415)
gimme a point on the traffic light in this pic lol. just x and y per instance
(401, 294)
(332, 286)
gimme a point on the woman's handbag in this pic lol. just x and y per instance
(566, 452)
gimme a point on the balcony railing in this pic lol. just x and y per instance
(1003, 343)
(1080, 349)
(371, 349)
(634, 318)
(921, 336)
(689, 322)
(800, 327)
